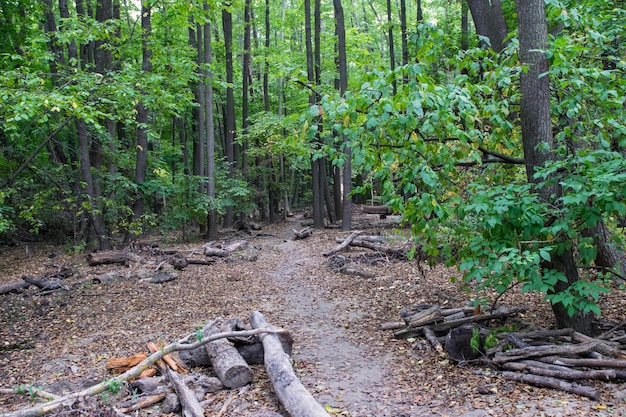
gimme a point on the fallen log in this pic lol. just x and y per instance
(569, 374)
(547, 350)
(382, 211)
(396, 253)
(292, 394)
(182, 344)
(554, 383)
(227, 363)
(343, 244)
(14, 287)
(356, 272)
(108, 257)
(424, 317)
(188, 401)
(302, 234)
(584, 362)
(44, 285)
(121, 365)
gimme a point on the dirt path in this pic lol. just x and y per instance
(343, 371)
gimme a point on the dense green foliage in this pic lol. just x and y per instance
(444, 150)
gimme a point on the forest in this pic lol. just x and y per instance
(495, 129)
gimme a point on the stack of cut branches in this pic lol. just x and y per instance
(545, 358)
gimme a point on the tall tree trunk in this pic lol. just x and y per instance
(464, 26)
(342, 67)
(141, 159)
(266, 70)
(209, 129)
(229, 116)
(489, 21)
(537, 137)
(246, 83)
(405, 47)
(392, 53)
(318, 215)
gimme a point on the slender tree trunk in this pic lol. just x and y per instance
(342, 65)
(229, 116)
(464, 26)
(210, 129)
(141, 160)
(392, 53)
(246, 83)
(537, 137)
(318, 199)
(405, 47)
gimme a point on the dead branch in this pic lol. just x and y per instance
(188, 401)
(432, 339)
(302, 234)
(180, 345)
(146, 402)
(554, 383)
(568, 374)
(548, 350)
(343, 244)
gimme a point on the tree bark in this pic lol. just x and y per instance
(292, 394)
(537, 138)
(227, 363)
(548, 382)
(489, 21)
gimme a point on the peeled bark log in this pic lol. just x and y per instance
(302, 234)
(44, 285)
(189, 402)
(554, 383)
(424, 317)
(292, 394)
(227, 363)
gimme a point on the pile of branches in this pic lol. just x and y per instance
(175, 375)
(557, 359)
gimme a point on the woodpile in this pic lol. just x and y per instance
(170, 375)
(557, 359)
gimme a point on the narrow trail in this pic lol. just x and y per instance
(342, 371)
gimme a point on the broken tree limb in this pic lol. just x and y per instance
(302, 234)
(432, 339)
(424, 317)
(343, 244)
(292, 394)
(188, 401)
(227, 363)
(554, 383)
(145, 402)
(180, 345)
(396, 253)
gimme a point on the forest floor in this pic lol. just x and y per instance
(61, 341)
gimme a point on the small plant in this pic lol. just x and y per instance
(113, 386)
(475, 340)
(199, 335)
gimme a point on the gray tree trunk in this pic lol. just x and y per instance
(537, 130)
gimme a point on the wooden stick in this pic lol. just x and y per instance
(343, 244)
(188, 401)
(146, 402)
(569, 374)
(432, 339)
(554, 383)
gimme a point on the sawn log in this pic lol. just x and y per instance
(227, 363)
(292, 394)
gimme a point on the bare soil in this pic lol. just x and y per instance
(62, 340)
